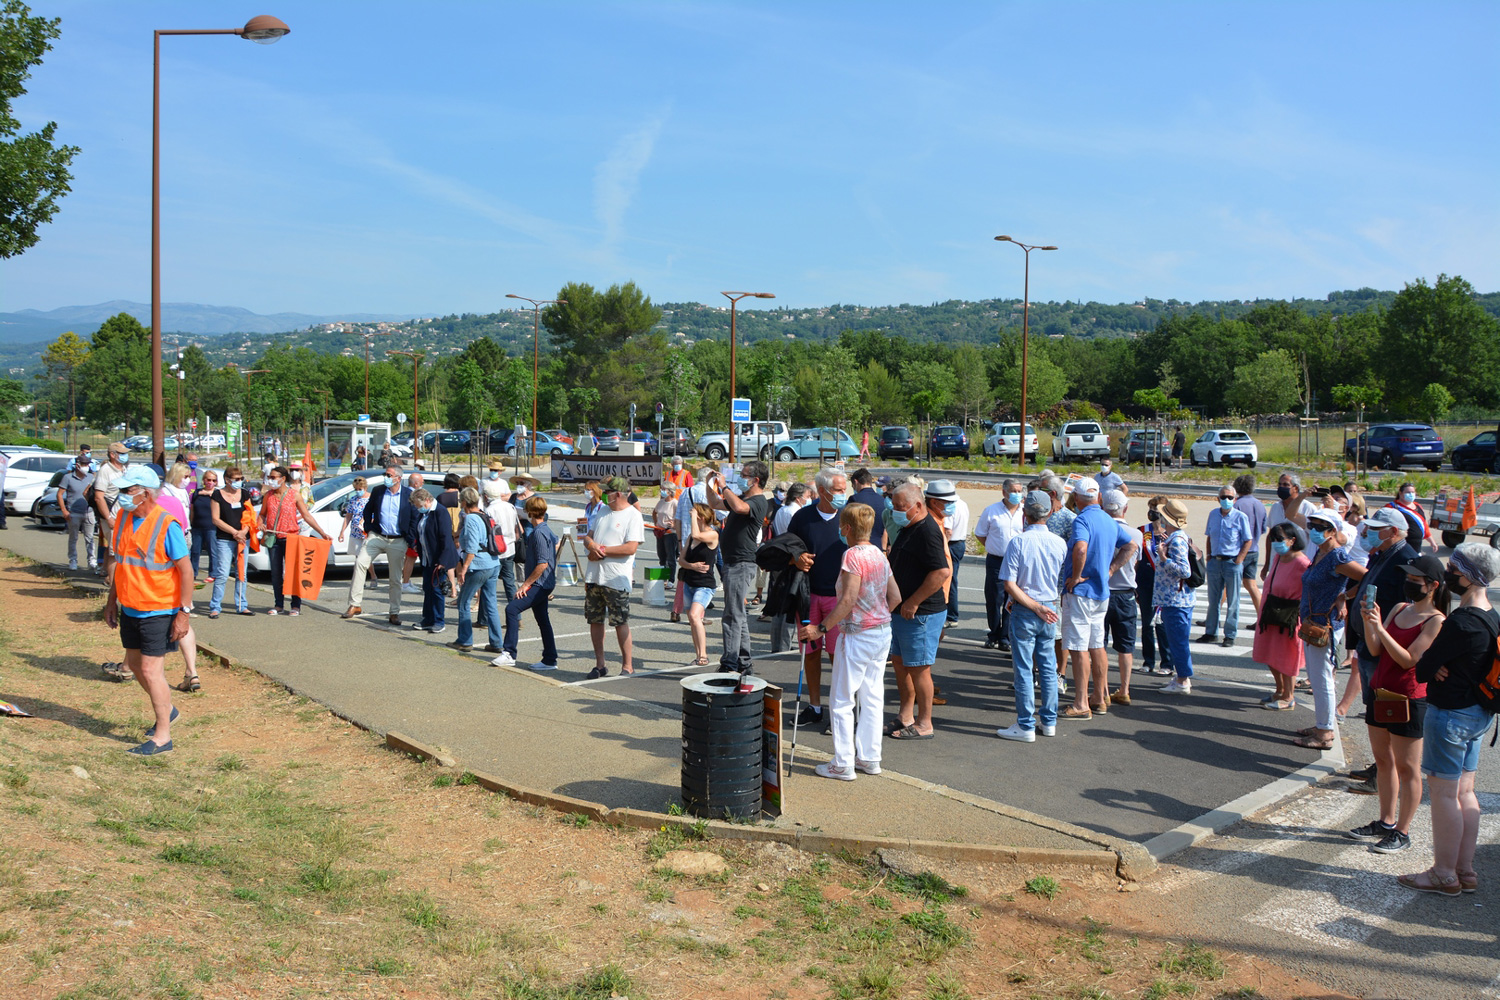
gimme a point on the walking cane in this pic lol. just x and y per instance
(797, 717)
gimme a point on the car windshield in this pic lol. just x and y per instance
(895, 434)
(950, 430)
(1083, 429)
(1239, 437)
(1418, 433)
(335, 484)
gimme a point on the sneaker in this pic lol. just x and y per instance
(1366, 787)
(1175, 686)
(462, 647)
(873, 767)
(1205, 637)
(437, 629)
(1227, 642)
(837, 773)
(1047, 730)
(73, 565)
(419, 627)
(541, 666)
(1393, 842)
(1371, 831)
(808, 717)
(1017, 734)
(1363, 774)
(410, 588)
(503, 660)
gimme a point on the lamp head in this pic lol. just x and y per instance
(1004, 239)
(264, 29)
(511, 295)
(1046, 248)
(764, 295)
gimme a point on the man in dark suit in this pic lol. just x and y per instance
(390, 527)
(438, 555)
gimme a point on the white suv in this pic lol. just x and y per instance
(1223, 447)
(1005, 441)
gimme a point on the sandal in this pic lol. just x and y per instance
(910, 733)
(895, 726)
(189, 684)
(1468, 881)
(701, 661)
(1313, 743)
(1428, 881)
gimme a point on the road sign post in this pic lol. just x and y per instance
(739, 413)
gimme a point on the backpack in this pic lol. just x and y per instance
(1196, 577)
(1487, 689)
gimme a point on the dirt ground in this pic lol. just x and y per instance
(281, 852)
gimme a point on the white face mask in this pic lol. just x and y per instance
(296, 475)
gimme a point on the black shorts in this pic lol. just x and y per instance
(149, 635)
(1411, 729)
(1120, 620)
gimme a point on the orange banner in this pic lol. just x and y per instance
(306, 559)
(1471, 513)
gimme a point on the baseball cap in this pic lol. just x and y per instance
(1112, 500)
(139, 475)
(615, 484)
(1327, 517)
(1086, 487)
(1428, 565)
(1387, 517)
(1038, 503)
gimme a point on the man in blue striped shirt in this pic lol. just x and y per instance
(1032, 574)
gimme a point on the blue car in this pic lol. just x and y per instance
(1390, 446)
(1478, 455)
(949, 440)
(815, 443)
(546, 444)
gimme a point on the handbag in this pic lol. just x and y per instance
(1279, 612)
(179, 627)
(1314, 634)
(1390, 708)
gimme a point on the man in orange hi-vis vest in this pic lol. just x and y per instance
(153, 580)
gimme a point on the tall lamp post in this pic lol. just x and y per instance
(536, 336)
(734, 301)
(1025, 323)
(264, 29)
(368, 337)
(249, 411)
(416, 413)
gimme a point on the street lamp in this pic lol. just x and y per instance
(416, 413)
(1025, 322)
(734, 301)
(263, 29)
(325, 393)
(250, 410)
(536, 335)
(368, 337)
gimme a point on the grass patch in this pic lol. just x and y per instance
(443, 781)
(671, 836)
(1193, 960)
(600, 984)
(193, 854)
(945, 988)
(1043, 886)
(935, 925)
(422, 911)
(230, 762)
(875, 981)
(468, 778)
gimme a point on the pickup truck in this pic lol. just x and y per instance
(757, 439)
(1078, 440)
(1448, 514)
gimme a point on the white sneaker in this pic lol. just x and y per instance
(503, 660)
(1047, 730)
(1173, 687)
(837, 773)
(411, 588)
(539, 666)
(867, 766)
(73, 564)
(1017, 734)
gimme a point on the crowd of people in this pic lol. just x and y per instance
(864, 570)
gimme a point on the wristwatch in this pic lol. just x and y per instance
(822, 629)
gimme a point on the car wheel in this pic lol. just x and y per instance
(1251, 463)
(1434, 468)
(1453, 539)
(786, 455)
(714, 453)
(511, 451)
(765, 453)
(1387, 461)
(557, 453)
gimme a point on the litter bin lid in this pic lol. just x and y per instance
(721, 683)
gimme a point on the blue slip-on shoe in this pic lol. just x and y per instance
(170, 719)
(149, 749)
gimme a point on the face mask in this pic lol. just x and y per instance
(127, 502)
(1454, 585)
(1414, 590)
(494, 475)
(1225, 503)
(838, 500)
(273, 484)
(235, 484)
(1103, 470)
(900, 518)
(1408, 496)
(123, 459)
(296, 476)
(950, 508)
(1015, 499)
(1283, 492)
(1281, 548)
(1370, 537)
(193, 466)
(1316, 537)
(845, 539)
(391, 483)
(676, 466)
(780, 496)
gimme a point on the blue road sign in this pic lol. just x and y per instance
(739, 410)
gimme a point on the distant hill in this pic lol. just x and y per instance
(31, 325)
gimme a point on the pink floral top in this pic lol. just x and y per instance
(870, 610)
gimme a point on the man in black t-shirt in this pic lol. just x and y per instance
(920, 564)
(738, 539)
(817, 525)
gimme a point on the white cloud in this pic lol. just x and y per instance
(618, 177)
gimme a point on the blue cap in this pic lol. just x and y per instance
(139, 475)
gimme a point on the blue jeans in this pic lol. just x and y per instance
(536, 599)
(1223, 575)
(1033, 654)
(278, 576)
(482, 580)
(1176, 623)
(203, 541)
(223, 563)
(956, 550)
(434, 606)
(996, 609)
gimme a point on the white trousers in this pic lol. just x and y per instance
(858, 680)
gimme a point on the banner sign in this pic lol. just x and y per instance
(773, 763)
(232, 430)
(645, 470)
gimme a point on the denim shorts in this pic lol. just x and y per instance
(1450, 740)
(698, 595)
(916, 641)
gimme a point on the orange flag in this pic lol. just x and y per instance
(308, 469)
(306, 559)
(1471, 512)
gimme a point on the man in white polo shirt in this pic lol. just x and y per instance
(997, 525)
(607, 577)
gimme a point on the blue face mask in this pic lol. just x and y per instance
(950, 508)
(126, 501)
(899, 518)
(1316, 537)
(1015, 499)
(1369, 537)
(845, 539)
(1225, 503)
(391, 484)
(838, 500)
(494, 474)
(1281, 548)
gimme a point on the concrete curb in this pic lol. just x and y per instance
(1193, 832)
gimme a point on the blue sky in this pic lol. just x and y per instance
(429, 157)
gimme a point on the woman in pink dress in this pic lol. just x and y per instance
(1276, 642)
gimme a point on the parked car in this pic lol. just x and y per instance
(44, 509)
(28, 476)
(1078, 440)
(608, 438)
(949, 440)
(757, 439)
(816, 443)
(1478, 454)
(546, 444)
(679, 442)
(896, 442)
(214, 440)
(405, 437)
(451, 442)
(138, 442)
(1005, 442)
(1391, 446)
(1223, 447)
(559, 434)
(1145, 446)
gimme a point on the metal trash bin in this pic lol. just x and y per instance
(721, 746)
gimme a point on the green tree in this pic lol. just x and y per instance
(972, 393)
(12, 397)
(839, 394)
(681, 388)
(33, 171)
(930, 387)
(1435, 402)
(1356, 397)
(586, 401)
(588, 327)
(1269, 384)
(114, 382)
(120, 326)
(1155, 400)
(1439, 333)
(1046, 384)
(469, 405)
(883, 397)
